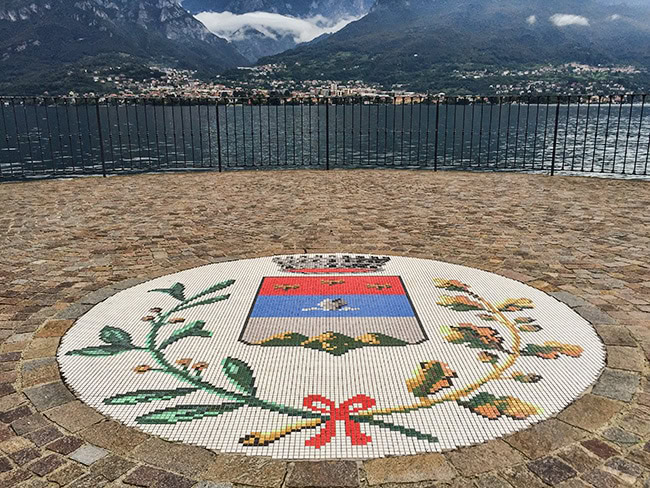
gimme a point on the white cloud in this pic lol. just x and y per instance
(532, 19)
(226, 24)
(562, 20)
(615, 17)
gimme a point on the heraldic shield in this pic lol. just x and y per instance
(334, 314)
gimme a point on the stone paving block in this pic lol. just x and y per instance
(88, 454)
(617, 384)
(636, 421)
(181, 458)
(99, 296)
(5, 433)
(42, 348)
(628, 358)
(640, 456)
(570, 299)
(10, 357)
(67, 474)
(408, 469)
(74, 416)
(124, 284)
(49, 395)
(54, 328)
(73, 312)
(9, 377)
(171, 480)
(490, 456)
(46, 465)
(541, 439)
(15, 414)
(5, 465)
(621, 437)
(591, 412)
(254, 471)
(626, 470)
(316, 474)
(615, 335)
(210, 484)
(15, 444)
(602, 479)
(112, 467)
(6, 389)
(113, 437)
(43, 436)
(551, 470)
(89, 481)
(145, 476)
(29, 424)
(12, 401)
(579, 459)
(594, 315)
(491, 481)
(599, 448)
(25, 456)
(573, 483)
(12, 478)
(65, 445)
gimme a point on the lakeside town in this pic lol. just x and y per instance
(266, 82)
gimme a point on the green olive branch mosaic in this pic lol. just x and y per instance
(431, 377)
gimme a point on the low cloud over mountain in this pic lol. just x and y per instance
(272, 25)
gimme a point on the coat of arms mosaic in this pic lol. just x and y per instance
(331, 356)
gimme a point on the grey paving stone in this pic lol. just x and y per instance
(620, 436)
(570, 299)
(99, 296)
(594, 315)
(48, 396)
(88, 454)
(123, 285)
(74, 311)
(617, 384)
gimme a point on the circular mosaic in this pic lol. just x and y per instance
(331, 356)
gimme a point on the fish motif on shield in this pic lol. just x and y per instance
(333, 314)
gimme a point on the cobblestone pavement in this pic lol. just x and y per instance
(68, 244)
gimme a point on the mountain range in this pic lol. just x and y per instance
(56, 45)
(41, 41)
(418, 42)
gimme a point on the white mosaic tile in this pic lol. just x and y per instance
(331, 356)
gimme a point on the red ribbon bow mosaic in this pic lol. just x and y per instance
(342, 412)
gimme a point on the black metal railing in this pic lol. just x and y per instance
(48, 136)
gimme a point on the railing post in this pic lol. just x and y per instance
(557, 122)
(327, 134)
(101, 137)
(435, 147)
(219, 135)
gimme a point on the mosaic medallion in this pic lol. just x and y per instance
(331, 356)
